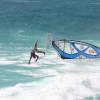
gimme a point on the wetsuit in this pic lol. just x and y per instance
(33, 53)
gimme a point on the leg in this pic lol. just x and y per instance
(30, 59)
(37, 57)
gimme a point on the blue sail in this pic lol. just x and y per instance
(75, 49)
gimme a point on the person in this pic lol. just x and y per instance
(34, 50)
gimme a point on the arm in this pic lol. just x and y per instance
(38, 51)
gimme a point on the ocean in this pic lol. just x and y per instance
(22, 23)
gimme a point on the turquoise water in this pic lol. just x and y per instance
(22, 22)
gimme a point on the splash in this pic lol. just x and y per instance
(55, 79)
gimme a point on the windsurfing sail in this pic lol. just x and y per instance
(48, 42)
(71, 49)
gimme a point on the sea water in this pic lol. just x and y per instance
(22, 23)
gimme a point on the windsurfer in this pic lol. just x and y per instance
(33, 53)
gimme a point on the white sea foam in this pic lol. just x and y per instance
(69, 80)
(69, 86)
(6, 62)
